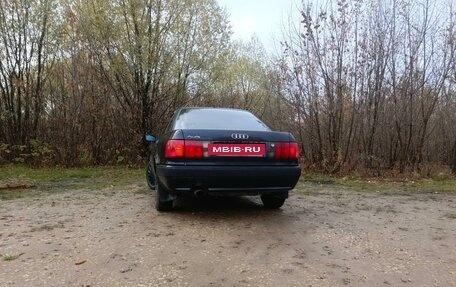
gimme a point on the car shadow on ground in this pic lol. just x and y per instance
(223, 204)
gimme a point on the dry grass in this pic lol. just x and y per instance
(11, 257)
(47, 227)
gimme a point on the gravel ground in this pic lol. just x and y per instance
(323, 236)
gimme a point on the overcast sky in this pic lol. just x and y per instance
(263, 18)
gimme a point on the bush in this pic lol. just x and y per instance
(35, 153)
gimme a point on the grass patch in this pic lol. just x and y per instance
(45, 175)
(439, 185)
(61, 179)
(14, 194)
(12, 257)
(47, 227)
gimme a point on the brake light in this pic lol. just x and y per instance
(183, 149)
(175, 149)
(193, 149)
(286, 150)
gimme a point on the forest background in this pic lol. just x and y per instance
(366, 86)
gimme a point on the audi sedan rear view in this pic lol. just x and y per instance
(214, 151)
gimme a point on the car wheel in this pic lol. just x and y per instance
(150, 175)
(271, 201)
(163, 200)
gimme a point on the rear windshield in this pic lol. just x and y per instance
(213, 119)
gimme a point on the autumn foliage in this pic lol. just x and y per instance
(363, 85)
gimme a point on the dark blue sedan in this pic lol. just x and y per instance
(214, 151)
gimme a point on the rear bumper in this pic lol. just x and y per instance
(228, 180)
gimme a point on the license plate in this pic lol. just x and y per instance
(247, 149)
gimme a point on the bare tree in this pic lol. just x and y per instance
(26, 51)
(365, 79)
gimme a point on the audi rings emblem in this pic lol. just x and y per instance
(240, 136)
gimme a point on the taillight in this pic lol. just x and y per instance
(294, 150)
(286, 150)
(193, 149)
(175, 149)
(183, 149)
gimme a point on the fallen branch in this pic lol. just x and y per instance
(80, 262)
(16, 186)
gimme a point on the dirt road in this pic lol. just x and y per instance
(322, 237)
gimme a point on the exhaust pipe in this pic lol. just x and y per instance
(199, 192)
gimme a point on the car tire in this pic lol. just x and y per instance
(272, 201)
(163, 200)
(150, 175)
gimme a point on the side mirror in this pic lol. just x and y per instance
(150, 138)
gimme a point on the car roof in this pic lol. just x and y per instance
(212, 108)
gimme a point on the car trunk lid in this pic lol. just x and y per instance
(238, 147)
